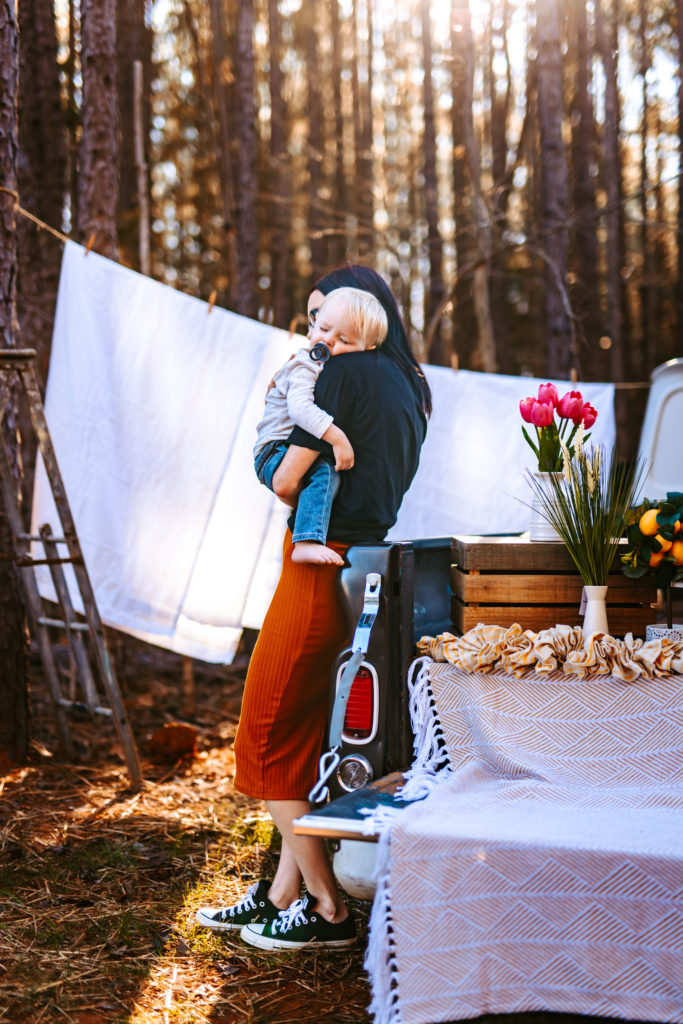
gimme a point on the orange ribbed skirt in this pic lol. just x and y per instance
(284, 709)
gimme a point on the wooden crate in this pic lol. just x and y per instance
(501, 580)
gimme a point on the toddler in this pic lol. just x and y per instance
(349, 320)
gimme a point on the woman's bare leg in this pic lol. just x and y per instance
(286, 885)
(309, 855)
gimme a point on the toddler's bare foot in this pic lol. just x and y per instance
(317, 554)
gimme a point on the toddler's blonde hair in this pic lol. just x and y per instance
(366, 313)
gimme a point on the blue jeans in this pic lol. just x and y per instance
(320, 485)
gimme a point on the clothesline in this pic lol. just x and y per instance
(42, 225)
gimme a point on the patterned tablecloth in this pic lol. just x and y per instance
(545, 870)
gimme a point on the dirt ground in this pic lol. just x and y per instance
(99, 885)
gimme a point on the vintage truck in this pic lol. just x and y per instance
(426, 589)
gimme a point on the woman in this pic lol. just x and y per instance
(381, 400)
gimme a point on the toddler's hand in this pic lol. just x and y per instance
(343, 455)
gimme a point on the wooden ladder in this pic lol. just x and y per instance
(22, 363)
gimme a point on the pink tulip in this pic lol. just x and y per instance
(570, 406)
(542, 414)
(548, 393)
(525, 407)
(588, 415)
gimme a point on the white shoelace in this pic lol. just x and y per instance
(246, 903)
(292, 916)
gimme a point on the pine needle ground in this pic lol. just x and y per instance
(99, 885)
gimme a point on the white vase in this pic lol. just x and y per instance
(539, 528)
(595, 615)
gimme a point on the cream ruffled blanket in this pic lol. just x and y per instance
(514, 650)
(544, 869)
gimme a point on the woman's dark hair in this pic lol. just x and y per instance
(396, 344)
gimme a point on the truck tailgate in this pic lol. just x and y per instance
(342, 818)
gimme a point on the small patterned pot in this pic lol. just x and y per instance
(658, 632)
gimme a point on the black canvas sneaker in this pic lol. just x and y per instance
(301, 927)
(254, 908)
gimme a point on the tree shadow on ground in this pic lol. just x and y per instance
(99, 885)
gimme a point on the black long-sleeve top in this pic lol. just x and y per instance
(372, 401)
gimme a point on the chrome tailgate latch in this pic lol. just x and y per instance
(361, 638)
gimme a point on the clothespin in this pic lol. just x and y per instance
(212, 300)
(455, 362)
(573, 375)
(91, 242)
(295, 321)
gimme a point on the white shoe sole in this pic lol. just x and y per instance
(254, 938)
(204, 918)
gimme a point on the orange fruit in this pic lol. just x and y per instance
(665, 544)
(677, 526)
(648, 522)
(655, 559)
(677, 551)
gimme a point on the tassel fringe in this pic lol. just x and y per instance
(430, 766)
(430, 762)
(430, 756)
(380, 956)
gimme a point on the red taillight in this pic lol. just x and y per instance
(358, 718)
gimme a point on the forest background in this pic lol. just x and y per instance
(512, 167)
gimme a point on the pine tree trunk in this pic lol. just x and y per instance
(133, 44)
(499, 102)
(435, 288)
(338, 248)
(41, 188)
(224, 131)
(464, 323)
(367, 204)
(648, 298)
(587, 296)
(280, 181)
(661, 247)
(98, 155)
(73, 112)
(41, 175)
(14, 720)
(611, 177)
(362, 138)
(316, 221)
(555, 195)
(467, 149)
(247, 227)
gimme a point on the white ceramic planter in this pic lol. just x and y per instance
(595, 615)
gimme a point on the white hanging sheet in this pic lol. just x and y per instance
(152, 404)
(470, 479)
